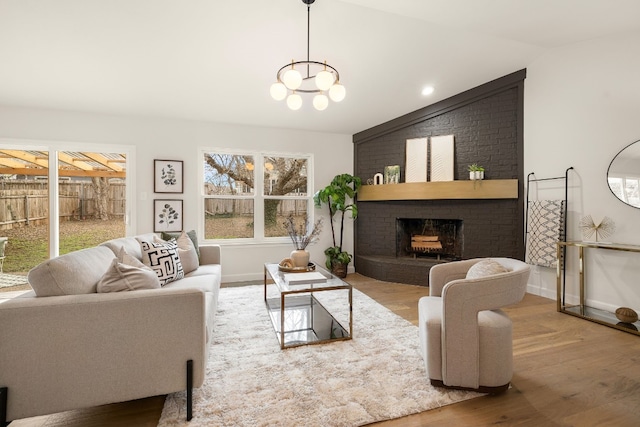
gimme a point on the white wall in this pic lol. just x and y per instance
(156, 138)
(582, 106)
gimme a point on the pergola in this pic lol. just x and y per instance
(71, 163)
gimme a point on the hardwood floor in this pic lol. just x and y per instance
(567, 372)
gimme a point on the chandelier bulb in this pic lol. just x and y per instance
(337, 92)
(292, 79)
(320, 102)
(278, 91)
(324, 80)
(294, 101)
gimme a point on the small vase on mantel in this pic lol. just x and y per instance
(300, 258)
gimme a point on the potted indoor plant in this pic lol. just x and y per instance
(475, 171)
(340, 196)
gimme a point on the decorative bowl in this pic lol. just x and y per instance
(626, 315)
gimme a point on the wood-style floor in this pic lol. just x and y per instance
(567, 372)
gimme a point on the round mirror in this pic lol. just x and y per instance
(624, 175)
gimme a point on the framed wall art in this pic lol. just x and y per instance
(442, 158)
(167, 215)
(168, 176)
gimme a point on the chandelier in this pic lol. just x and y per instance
(321, 78)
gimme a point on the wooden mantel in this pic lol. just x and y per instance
(441, 190)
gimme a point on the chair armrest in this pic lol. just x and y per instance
(441, 274)
(461, 302)
(210, 254)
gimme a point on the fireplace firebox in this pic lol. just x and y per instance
(439, 239)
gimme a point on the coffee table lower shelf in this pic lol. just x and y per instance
(306, 321)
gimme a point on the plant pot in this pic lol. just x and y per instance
(339, 269)
(300, 258)
(472, 175)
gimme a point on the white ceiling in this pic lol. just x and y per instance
(214, 60)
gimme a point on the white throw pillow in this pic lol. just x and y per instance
(123, 277)
(187, 253)
(162, 257)
(126, 258)
(486, 267)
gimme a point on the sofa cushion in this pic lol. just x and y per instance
(486, 267)
(70, 274)
(192, 235)
(187, 253)
(130, 244)
(123, 277)
(163, 258)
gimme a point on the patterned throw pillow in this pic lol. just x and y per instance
(486, 267)
(163, 258)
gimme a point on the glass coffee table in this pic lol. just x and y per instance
(298, 313)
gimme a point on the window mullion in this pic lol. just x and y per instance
(258, 197)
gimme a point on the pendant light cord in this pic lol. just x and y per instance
(308, 37)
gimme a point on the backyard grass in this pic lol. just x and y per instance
(28, 246)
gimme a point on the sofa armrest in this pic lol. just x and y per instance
(75, 351)
(210, 254)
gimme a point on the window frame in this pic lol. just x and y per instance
(258, 196)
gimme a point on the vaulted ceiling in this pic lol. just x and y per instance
(214, 60)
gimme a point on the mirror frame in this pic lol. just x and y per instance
(609, 170)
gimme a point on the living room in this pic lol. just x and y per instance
(581, 98)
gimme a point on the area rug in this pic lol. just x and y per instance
(376, 376)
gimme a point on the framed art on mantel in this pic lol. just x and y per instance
(167, 215)
(168, 176)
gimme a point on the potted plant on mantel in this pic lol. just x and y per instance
(340, 196)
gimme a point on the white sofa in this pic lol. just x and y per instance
(81, 348)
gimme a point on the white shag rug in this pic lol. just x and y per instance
(378, 375)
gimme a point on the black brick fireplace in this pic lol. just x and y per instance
(487, 126)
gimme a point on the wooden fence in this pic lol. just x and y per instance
(27, 202)
(245, 207)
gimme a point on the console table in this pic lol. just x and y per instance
(582, 310)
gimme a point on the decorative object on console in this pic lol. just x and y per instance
(168, 176)
(336, 196)
(604, 229)
(442, 158)
(378, 179)
(546, 221)
(301, 236)
(167, 215)
(416, 160)
(392, 174)
(626, 315)
(326, 78)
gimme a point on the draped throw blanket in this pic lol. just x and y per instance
(545, 230)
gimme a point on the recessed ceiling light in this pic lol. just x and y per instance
(427, 90)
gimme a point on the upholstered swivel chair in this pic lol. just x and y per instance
(465, 339)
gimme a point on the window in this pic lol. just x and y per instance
(249, 195)
(88, 205)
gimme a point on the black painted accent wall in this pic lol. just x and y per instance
(487, 124)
